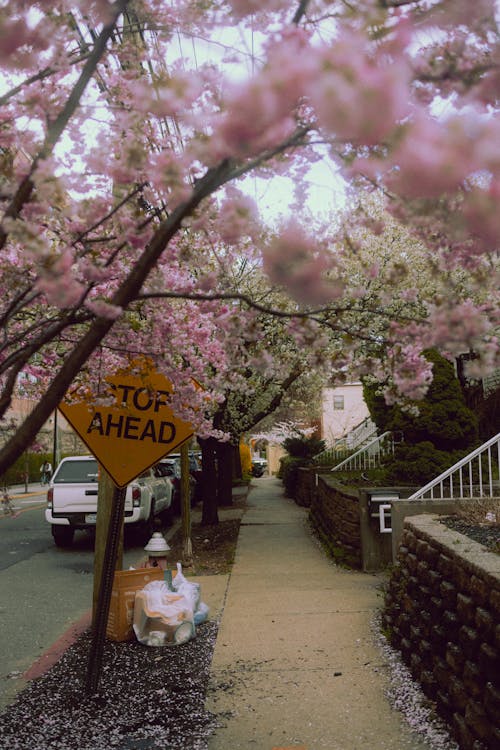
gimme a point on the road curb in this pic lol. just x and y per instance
(54, 652)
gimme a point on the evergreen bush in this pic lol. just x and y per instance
(436, 434)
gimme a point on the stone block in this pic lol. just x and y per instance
(477, 720)
(446, 565)
(434, 580)
(415, 634)
(479, 590)
(411, 562)
(425, 651)
(403, 550)
(466, 609)
(461, 577)
(429, 683)
(455, 658)
(495, 602)
(415, 665)
(436, 607)
(491, 702)
(444, 705)
(413, 586)
(408, 604)
(438, 638)
(406, 649)
(489, 665)
(458, 693)
(410, 540)
(441, 672)
(423, 570)
(494, 743)
(426, 620)
(404, 623)
(469, 640)
(451, 624)
(473, 679)
(448, 593)
(462, 732)
(484, 621)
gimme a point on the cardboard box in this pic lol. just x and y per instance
(126, 584)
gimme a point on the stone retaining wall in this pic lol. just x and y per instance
(305, 487)
(335, 514)
(442, 611)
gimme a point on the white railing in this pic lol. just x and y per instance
(344, 445)
(475, 475)
(332, 454)
(365, 431)
(370, 455)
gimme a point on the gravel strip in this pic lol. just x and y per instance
(486, 534)
(407, 697)
(148, 699)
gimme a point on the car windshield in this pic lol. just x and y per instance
(77, 471)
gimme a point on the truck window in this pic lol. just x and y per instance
(76, 471)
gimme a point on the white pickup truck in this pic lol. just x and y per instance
(72, 499)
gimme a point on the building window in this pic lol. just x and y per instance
(338, 402)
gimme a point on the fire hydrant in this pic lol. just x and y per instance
(157, 549)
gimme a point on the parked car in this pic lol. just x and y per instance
(259, 466)
(171, 467)
(72, 499)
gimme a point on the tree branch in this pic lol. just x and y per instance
(56, 129)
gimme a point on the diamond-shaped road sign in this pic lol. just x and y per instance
(136, 431)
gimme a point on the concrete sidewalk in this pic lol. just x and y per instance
(295, 664)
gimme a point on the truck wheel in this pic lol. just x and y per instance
(176, 503)
(167, 516)
(147, 527)
(63, 535)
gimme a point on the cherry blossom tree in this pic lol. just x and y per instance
(121, 164)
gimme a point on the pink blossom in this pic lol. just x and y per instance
(433, 157)
(294, 260)
(261, 113)
(412, 372)
(361, 97)
(242, 8)
(18, 41)
(238, 215)
(480, 210)
(458, 328)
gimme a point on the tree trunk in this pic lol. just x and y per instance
(224, 474)
(236, 456)
(209, 516)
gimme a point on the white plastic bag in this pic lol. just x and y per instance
(162, 617)
(192, 592)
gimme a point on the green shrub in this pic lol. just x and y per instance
(419, 464)
(303, 447)
(289, 466)
(443, 430)
(31, 465)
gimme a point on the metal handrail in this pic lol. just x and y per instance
(364, 431)
(330, 452)
(347, 443)
(370, 455)
(473, 482)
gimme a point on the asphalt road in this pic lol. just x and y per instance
(43, 589)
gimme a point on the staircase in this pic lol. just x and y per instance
(370, 455)
(360, 435)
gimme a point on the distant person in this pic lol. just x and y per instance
(46, 472)
(7, 507)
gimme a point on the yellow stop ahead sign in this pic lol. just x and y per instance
(136, 431)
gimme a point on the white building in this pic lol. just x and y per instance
(343, 408)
